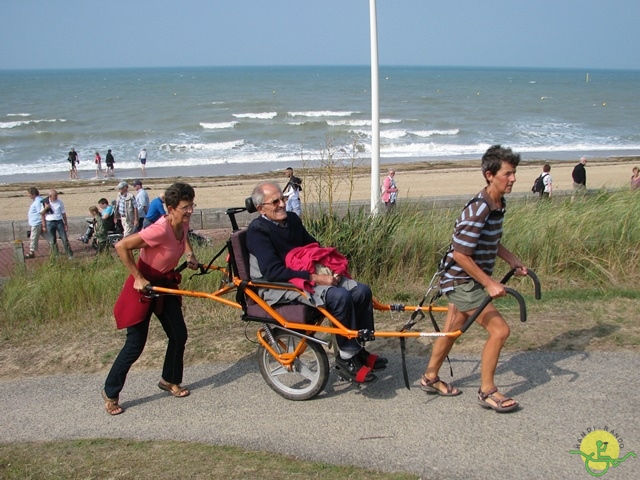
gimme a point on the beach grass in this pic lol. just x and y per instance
(59, 317)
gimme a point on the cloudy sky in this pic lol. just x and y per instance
(146, 33)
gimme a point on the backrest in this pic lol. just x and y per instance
(240, 253)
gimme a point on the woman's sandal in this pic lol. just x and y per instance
(428, 387)
(175, 390)
(111, 405)
(499, 406)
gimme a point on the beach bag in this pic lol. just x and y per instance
(538, 184)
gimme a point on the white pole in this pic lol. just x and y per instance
(375, 110)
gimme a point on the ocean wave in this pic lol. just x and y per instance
(18, 114)
(218, 126)
(360, 123)
(321, 113)
(431, 133)
(257, 116)
(393, 134)
(186, 147)
(19, 123)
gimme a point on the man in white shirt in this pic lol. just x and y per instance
(54, 219)
(35, 220)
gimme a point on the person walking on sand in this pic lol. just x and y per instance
(547, 182)
(142, 199)
(98, 162)
(109, 161)
(635, 178)
(73, 160)
(389, 191)
(292, 192)
(579, 176)
(468, 266)
(142, 156)
(54, 220)
(161, 246)
(35, 220)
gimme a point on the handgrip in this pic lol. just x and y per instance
(534, 277)
(487, 300)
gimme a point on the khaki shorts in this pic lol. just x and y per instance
(467, 296)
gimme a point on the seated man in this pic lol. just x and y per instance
(270, 237)
(107, 213)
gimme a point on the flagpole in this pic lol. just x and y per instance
(375, 110)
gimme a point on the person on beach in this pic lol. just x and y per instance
(98, 162)
(547, 182)
(579, 176)
(54, 220)
(73, 160)
(161, 247)
(466, 279)
(635, 178)
(142, 199)
(389, 191)
(156, 210)
(292, 192)
(142, 156)
(109, 161)
(126, 209)
(276, 233)
(35, 221)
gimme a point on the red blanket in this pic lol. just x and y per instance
(306, 257)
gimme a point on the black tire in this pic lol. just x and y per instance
(310, 371)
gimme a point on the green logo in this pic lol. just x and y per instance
(600, 450)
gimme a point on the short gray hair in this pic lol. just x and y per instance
(257, 196)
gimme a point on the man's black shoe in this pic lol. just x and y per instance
(374, 362)
(354, 369)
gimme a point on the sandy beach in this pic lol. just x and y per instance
(415, 180)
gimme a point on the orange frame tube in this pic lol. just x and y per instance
(336, 327)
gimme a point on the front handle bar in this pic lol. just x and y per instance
(486, 301)
(534, 277)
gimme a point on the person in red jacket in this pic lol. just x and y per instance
(270, 237)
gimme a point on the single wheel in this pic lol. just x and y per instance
(305, 378)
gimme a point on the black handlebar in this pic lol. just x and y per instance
(534, 277)
(486, 301)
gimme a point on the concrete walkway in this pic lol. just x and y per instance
(381, 425)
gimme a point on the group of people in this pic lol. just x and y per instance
(129, 213)
(74, 159)
(48, 216)
(273, 235)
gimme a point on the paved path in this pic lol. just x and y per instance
(381, 425)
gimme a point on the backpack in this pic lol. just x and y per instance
(538, 184)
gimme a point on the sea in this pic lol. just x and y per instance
(236, 120)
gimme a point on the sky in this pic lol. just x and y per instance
(44, 34)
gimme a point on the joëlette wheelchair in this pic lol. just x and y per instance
(292, 359)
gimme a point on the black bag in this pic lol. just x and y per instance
(538, 184)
